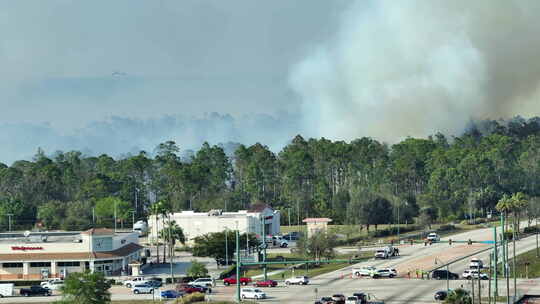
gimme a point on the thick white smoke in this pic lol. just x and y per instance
(413, 68)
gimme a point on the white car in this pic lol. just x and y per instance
(205, 282)
(364, 271)
(301, 280)
(433, 237)
(384, 273)
(54, 285)
(473, 273)
(381, 254)
(252, 293)
(476, 264)
(352, 300)
(50, 281)
(135, 280)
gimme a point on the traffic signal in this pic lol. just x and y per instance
(450, 242)
(469, 242)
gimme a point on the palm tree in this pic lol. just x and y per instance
(506, 206)
(156, 210)
(520, 203)
(458, 296)
(164, 212)
(171, 234)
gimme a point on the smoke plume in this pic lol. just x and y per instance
(413, 68)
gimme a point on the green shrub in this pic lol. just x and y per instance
(192, 298)
(446, 228)
(531, 229)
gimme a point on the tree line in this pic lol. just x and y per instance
(363, 181)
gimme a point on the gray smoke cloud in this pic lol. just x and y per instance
(413, 68)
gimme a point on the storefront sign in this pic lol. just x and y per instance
(25, 248)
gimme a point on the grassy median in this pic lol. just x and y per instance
(527, 264)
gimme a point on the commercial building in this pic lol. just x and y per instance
(195, 224)
(39, 255)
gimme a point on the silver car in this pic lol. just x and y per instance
(143, 288)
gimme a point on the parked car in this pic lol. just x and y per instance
(352, 300)
(171, 294)
(252, 293)
(433, 237)
(135, 280)
(441, 295)
(338, 298)
(381, 254)
(6, 290)
(292, 236)
(154, 283)
(185, 288)
(53, 285)
(207, 282)
(476, 264)
(327, 300)
(35, 291)
(363, 271)
(267, 283)
(301, 280)
(224, 262)
(473, 273)
(382, 273)
(143, 288)
(51, 281)
(362, 297)
(443, 274)
(232, 281)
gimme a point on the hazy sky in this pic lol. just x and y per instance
(188, 57)
(121, 76)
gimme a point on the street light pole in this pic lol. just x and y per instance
(9, 220)
(537, 253)
(136, 200)
(226, 247)
(132, 218)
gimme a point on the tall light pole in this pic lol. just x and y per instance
(136, 200)
(9, 220)
(171, 250)
(237, 265)
(226, 247)
(289, 214)
(132, 218)
(114, 217)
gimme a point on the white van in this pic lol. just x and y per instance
(6, 290)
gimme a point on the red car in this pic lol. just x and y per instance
(267, 283)
(189, 288)
(232, 281)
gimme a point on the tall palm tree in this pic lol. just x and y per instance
(165, 211)
(505, 206)
(156, 210)
(171, 234)
(520, 203)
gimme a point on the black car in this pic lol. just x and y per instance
(223, 262)
(440, 295)
(443, 274)
(155, 283)
(327, 300)
(361, 296)
(35, 291)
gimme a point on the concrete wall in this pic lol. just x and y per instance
(196, 224)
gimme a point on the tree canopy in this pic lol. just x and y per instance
(428, 179)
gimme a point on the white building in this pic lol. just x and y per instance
(198, 223)
(55, 254)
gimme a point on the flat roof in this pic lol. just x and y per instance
(69, 256)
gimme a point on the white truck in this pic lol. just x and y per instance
(385, 253)
(140, 227)
(135, 281)
(6, 290)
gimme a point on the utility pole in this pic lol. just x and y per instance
(93, 216)
(289, 214)
(472, 286)
(514, 235)
(479, 289)
(537, 253)
(495, 258)
(238, 267)
(398, 221)
(264, 246)
(114, 217)
(226, 247)
(9, 220)
(136, 200)
(491, 273)
(171, 251)
(132, 218)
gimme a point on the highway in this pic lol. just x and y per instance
(403, 289)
